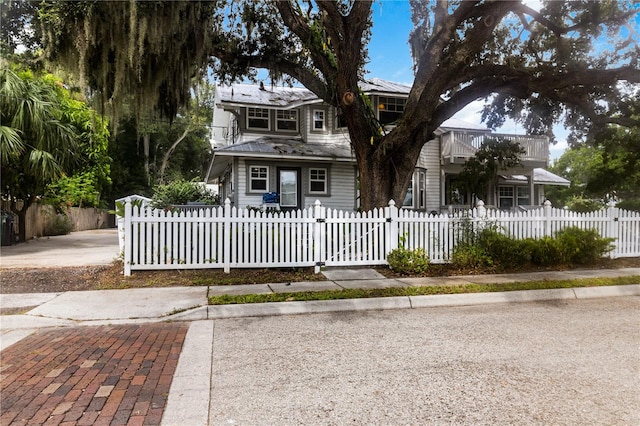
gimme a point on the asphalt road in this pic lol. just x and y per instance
(562, 363)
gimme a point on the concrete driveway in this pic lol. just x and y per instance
(84, 248)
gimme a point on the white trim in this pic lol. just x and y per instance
(250, 179)
(325, 180)
(249, 117)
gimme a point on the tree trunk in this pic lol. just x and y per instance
(165, 159)
(384, 176)
(146, 141)
(22, 217)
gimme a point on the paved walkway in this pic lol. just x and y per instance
(143, 356)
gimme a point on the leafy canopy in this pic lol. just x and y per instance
(574, 61)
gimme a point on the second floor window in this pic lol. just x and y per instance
(258, 118)
(318, 120)
(390, 109)
(287, 120)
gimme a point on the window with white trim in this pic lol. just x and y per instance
(258, 178)
(523, 195)
(422, 189)
(318, 120)
(505, 197)
(258, 118)
(408, 199)
(390, 109)
(317, 181)
(287, 120)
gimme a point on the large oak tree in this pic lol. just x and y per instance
(576, 61)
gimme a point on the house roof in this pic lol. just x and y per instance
(455, 123)
(540, 176)
(251, 94)
(270, 147)
(292, 97)
(377, 85)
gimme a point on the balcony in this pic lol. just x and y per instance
(457, 147)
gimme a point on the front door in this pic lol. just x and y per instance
(289, 188)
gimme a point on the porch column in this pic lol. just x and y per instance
(443, 188)
(532, 192)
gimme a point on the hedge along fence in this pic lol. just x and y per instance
(40, 216)
(227, 237)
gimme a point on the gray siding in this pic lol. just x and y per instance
(340, 195)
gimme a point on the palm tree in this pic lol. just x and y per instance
(37, 147)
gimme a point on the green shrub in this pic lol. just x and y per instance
(468, 256)
(504, 250)
(406, 261)
(582, 246)
(630, 204)
(180, 192)
(545, 251)
(60, 224)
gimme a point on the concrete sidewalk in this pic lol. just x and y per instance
(83, 248)
(190, 303)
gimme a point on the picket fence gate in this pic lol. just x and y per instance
(228, 237)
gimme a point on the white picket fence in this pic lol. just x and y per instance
(228, 237)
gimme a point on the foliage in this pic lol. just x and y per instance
(60, 224)
(73, 191)
(584, 205)
(181, 192)
(560, 62)
(491, 248)
(480, 172)
(503, 250)
(405, 261)
(132, 60)
(53, 144)
(605, 169)
(633, 204)
(183, 148)
(546, 251)
(581, 246)
(470, 257)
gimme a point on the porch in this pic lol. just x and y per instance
(458, 146)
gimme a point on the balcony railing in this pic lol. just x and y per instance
(460, 146)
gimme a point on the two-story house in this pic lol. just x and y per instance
(287, 141)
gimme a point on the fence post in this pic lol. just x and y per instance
(128, 237)
(612, 227)
(226, 232)
(478, 214)
(547, 218)
(482, 210)
(391, 242)
(317, 243)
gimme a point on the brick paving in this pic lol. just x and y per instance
(103, 375)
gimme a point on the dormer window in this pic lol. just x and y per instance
(390, 109)
(258, 118)
(287, 120)
(318, 120)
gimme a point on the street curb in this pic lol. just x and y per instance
(191, 384)
(415, 302)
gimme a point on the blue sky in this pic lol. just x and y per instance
(390, 59)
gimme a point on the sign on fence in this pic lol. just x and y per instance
(228, 237)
